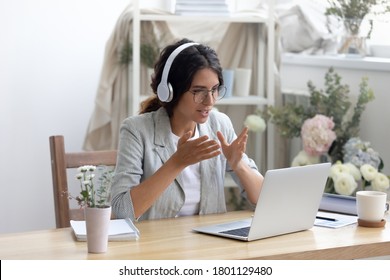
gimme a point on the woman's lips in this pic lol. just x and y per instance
(204, 113)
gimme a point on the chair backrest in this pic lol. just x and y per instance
(61, 161)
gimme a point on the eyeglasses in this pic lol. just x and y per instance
(201, 94)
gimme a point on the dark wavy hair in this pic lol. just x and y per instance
(181, 74)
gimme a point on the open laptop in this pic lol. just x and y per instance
(288, 202)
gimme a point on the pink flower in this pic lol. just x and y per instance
(317, 135)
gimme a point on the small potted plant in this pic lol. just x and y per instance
(94, 198)
(149, 52)
(91, 195)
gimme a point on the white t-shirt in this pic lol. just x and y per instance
(191, 184)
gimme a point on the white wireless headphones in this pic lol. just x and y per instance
(164, 89)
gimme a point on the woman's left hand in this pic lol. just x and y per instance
(234, 151)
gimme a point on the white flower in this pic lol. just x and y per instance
(368, 172)
(354, 171)
(255, 123)
(91, 195)
(87, 183)
(302, 158)
(344, 183)
(338, 169)
(86, 168)
(380, 182)
(91, 168)
(82, 169)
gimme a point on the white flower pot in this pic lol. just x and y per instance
(228, 79)
(97, 222)
(242, 82)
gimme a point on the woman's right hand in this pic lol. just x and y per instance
(193, 151)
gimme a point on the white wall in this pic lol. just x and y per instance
(51, 54)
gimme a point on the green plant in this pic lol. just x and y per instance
(149, 53)
(352, 12)
(94, 194)
(333, 102)
(351, 8)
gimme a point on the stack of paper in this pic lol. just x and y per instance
(120, 230)
(334, 220)
(202, 7)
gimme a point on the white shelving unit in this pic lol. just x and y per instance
(265, 74)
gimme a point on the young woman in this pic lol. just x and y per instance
(172, 158)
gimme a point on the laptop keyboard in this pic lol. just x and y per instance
(238, 231)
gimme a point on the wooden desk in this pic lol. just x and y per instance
(173, 239)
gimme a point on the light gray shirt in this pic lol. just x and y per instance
(145, 144)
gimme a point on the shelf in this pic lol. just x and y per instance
(239, 18)
(265, 49)
(339, 61)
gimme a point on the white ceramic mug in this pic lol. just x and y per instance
(371, 205)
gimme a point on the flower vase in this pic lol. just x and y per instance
(97, 224)
(353, 43)
(228, 80)
(242, 82)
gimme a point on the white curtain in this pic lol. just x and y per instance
(111, 102)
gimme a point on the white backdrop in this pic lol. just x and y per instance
(51, 54)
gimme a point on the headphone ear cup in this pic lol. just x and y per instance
(164, 92)
(170, 90)
(164, 89)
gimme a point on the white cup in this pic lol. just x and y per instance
(371, 205)
(242, 81)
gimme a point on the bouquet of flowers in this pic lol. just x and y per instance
(357, 10)
(362, 165)
(90, 194)
(329, 130)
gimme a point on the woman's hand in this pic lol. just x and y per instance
(250, 180)
(234, 151)
(193, 151)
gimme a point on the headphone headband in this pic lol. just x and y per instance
(164, 89)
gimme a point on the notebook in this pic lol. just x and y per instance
(288, 202)
(119, 230)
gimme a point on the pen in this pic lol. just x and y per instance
(326, 218)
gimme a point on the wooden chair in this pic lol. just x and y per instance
(61, 161)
